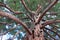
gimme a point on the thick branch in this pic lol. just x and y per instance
(16, 20)
(49, 34)
(44, 12)
(15, 12)
(50, 22)
(6, 6)
(52, 31)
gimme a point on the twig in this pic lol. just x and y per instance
(17, 12)
(4, 23)
(49, 1)
(24, 4)
(55, 26)
(4, 14)
(16, 34)
(6, 6)
(52, 31)
(30, 17)
(44, 12)
(38, 9)
(9, 30)
(49, 34)
(52, 13)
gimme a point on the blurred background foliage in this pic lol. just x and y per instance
(16, 5)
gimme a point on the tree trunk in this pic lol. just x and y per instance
(37, 34)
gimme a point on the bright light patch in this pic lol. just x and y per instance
(7, 27)
(48, 26)
(23, 34)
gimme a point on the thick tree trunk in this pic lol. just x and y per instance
(37, 34)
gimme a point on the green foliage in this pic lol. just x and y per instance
(32, 4)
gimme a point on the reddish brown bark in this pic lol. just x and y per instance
(38, 32)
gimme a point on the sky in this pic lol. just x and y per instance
(7, 36)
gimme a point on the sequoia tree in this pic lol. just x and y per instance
(33, 19)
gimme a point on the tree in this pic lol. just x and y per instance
(35, 28)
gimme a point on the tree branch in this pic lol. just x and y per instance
(49, 1)
(29, 17)
(15, 12)
(24, 4)
(4, 14)
(16, 34)
(52, 13)
(44, 12)
(50, 22)
(52, 31)
(6, 6)
(38, 9)
(9, 30)
(4, 23)
(49, 34)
